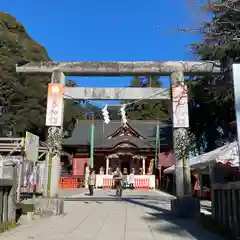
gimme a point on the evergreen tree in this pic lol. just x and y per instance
(148, 109)
(23, 97)
(212, 107)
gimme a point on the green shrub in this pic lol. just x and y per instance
(7, 226)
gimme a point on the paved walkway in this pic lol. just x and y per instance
(143, 215)
(72, 192)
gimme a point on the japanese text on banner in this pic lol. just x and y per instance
(180, 106)
(54, 115)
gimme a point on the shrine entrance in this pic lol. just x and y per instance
(175, 70)
(129, 161)
(126, 165)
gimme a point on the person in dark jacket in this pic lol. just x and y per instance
(118, 180)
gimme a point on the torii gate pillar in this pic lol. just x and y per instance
(54, 144)
(184, 205)
(182, 171)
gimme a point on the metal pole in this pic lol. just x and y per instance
(156, 146)
(49, 177)
(159, 163)
(92, 143)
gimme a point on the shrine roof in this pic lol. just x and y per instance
(146, 130)
(136, 142)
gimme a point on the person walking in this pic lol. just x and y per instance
(118, 180)
(91, 181)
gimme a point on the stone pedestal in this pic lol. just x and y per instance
(186, 207)
(48, 205)
(55, 176)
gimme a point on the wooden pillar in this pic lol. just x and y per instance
(224, 206)
(214, 194)
(200, 182)
(235, 211)
(229, 208)
(219, 205)
(143, 165)
(107, 165)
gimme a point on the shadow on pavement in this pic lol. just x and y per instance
(180, 227)
(97, 198)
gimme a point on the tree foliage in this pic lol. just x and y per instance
(212, 107)
(148, 109)
(23, 97)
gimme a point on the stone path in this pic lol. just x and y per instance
(72, 192)
(142, 215)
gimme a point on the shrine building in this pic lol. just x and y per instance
(130, 146)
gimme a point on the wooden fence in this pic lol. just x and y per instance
(225, 205)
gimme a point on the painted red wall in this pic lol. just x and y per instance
(78, 165)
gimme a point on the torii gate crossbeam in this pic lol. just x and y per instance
(159, 68)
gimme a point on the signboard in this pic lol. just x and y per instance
(54, 116)
(31, 146)
(180, 106)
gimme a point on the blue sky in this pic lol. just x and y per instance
(93, 30)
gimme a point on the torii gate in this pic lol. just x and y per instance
(176, 71)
